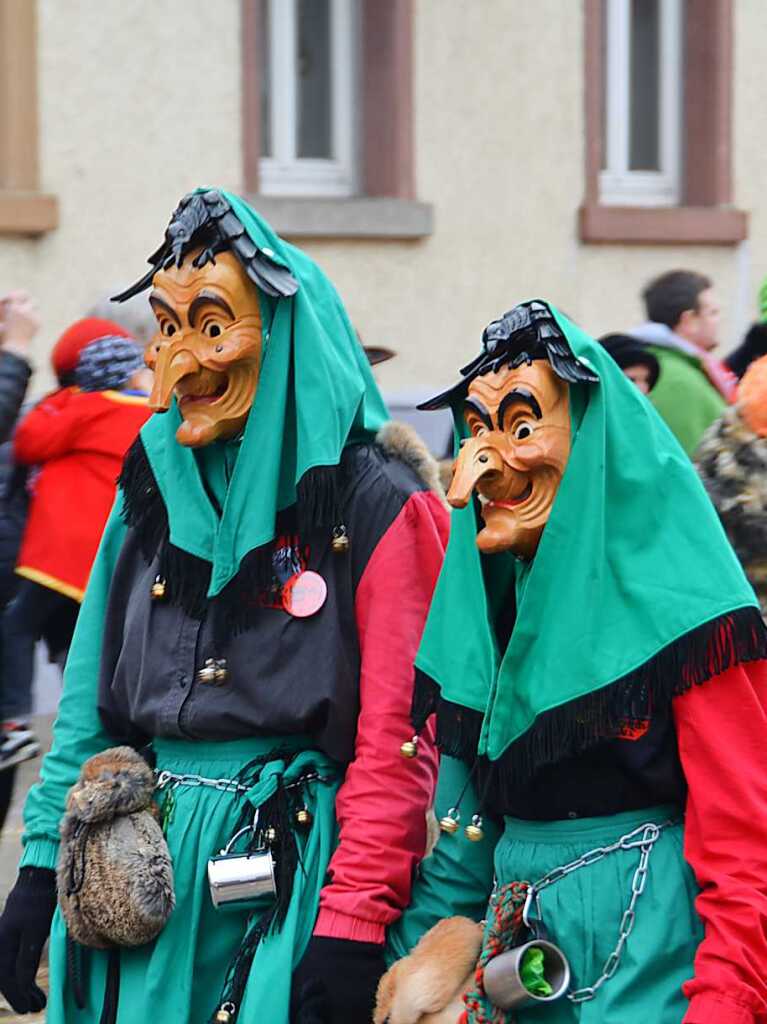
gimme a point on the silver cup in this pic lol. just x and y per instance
(239, 881)
(503, 983)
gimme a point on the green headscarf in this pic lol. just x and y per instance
(618, 608)
(316, 394)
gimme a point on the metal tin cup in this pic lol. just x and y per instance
(503, 983)
(241, 881)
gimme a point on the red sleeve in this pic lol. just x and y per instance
(48, 430)
(382, 803)
(722, 732)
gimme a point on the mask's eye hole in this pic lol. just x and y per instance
(213, 330)
(168, 328)
(522, 431)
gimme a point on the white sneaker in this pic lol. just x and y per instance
(19, 744)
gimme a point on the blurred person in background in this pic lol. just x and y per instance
(754, 344)
(634, 358)
(77, 436)
(732, 463)
(19, 323)
(134, 315)
(693, 387)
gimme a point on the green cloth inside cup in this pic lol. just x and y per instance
(532, 974)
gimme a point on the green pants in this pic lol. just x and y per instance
(178, 977)
(583, 913)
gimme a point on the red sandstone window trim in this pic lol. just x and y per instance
(707, 215)
(23, 209)
(386, 158)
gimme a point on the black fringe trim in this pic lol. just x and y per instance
(186, 577)
(318, 499)
(734, 638)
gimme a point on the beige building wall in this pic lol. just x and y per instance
(139, 102)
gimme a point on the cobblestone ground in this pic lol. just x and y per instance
(10, 851)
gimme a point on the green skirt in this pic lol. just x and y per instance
(583, 913)
(179, 977)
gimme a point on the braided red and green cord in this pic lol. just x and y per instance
(506, 909)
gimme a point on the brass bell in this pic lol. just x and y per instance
(270, 835)
(303, 817)
(225, 1014)
(409, 748)
(340, 542)
(474, 831)
(213, 672)
(450, 822)
(207, 673)
(158, 589)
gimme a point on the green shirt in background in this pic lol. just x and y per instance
(685, 397)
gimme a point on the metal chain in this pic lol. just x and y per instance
(165, 778)
(644, 837)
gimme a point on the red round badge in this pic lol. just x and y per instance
(304, 594)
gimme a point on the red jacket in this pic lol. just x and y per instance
(78, 438)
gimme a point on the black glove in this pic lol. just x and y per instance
(336, 982)
(24, 927)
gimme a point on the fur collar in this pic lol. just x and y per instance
(400, 441)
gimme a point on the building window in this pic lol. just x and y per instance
(643, 70)
(309, 97)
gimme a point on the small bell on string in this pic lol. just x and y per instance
(158, 589)
(451, 821)
(474, 831)
(340, 542)
(225, 1014)
(409, 748)
(303, 817)
(270, 835)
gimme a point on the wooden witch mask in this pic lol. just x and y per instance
(514, 404)
(519, 421)
(206, 278)
(207, 351)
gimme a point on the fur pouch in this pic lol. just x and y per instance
(427, 986)
(115, 878)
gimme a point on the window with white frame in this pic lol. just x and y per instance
(642, 103)
(308, 97)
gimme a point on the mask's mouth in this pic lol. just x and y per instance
(511, 503)
(192, 393)
(189, 400)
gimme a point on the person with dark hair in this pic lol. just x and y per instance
(598, 668)
(634, 358)
(76, 439)
(754, 344)
(250, 624)
(693, 386)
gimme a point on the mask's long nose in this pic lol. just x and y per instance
(477, 457)
(171, 367)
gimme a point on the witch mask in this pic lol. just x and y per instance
(207, 350)
(515, 403)
(206, 275)
(519, 422)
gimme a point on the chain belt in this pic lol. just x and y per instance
(163, 779)
(643, 838)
